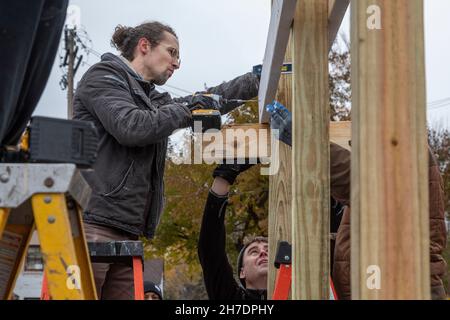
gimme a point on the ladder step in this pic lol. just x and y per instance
(115, 251)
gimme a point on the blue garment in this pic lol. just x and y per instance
(281, 119)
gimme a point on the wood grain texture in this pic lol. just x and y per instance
(341, 133)
(390, 227)
(280, 184)
(252, 145)
(310, 153)
(237, 141)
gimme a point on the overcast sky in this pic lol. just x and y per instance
(222, 39)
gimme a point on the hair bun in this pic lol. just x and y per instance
(121, 37)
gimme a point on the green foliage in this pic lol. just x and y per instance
(186, 189)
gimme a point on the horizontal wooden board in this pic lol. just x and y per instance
(252, 141)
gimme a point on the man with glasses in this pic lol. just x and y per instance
(134, 122)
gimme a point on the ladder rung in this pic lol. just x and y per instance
(115, 251)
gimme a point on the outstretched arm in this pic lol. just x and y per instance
(217, 271)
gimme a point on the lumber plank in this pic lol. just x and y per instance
(242, 143)
(280, 184)
(310, 152)
(390, 218)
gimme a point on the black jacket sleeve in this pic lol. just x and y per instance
(244, 87)
(217, 271)
(106, 94)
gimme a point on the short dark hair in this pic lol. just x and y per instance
(240, 260)
(125, 39)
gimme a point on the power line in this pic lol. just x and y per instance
(180, 89)
(438, 104)
(440, 107)
(70, 57)
(438, 101)
(171, 92)
(95, 53)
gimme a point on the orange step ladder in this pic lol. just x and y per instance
(283, 262)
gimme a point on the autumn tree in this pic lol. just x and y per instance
(186, 189)
(339, 81)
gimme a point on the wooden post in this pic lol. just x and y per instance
(310, 165)
(390, 227)
(280, 184)
(280, 196)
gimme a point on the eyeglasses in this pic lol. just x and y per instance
(174, 53)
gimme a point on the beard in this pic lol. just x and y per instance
(160, 80)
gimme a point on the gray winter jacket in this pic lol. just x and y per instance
(134, 122)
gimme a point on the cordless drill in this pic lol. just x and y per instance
(211, 118)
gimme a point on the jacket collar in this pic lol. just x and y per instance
(122, 62)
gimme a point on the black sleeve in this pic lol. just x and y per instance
(244, 87)
(108, 97)
(217, 271)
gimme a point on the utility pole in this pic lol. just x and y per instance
(71, 61)
(71, 39)
(70, 48)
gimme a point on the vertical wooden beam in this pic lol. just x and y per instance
(390, 227)
(280, 184)
(277, 39)
(310, 165)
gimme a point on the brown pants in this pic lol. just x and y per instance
(114, 281)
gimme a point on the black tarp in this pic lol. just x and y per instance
(30, 31)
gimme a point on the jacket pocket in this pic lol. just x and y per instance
(122, 182)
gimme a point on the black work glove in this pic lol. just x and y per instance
(257, 70)
(230, 172)
(202, 102)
